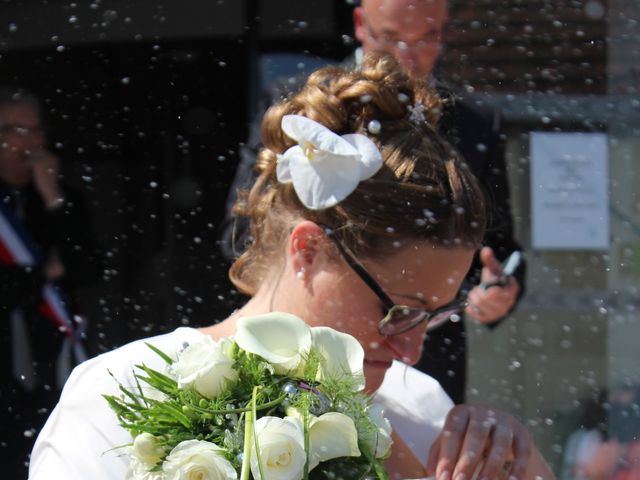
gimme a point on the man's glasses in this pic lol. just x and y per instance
(20, 130)
(398, 318)
(385, 42)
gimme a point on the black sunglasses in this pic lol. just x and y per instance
(398, 318)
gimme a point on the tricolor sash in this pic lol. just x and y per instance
(17, 248)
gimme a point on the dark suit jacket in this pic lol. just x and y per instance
(67, 230)
(476, 132)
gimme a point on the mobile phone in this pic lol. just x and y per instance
(37, 155)
(508, 268)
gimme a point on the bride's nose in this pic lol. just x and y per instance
(407, 347)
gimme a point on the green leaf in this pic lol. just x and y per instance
(175, 413)
(344, 468)
(156, 379)
(163, 355)
(376, 464)
(134, 398)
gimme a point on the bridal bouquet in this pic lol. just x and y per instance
(280, 400)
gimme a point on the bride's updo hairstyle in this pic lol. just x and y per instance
(422, 191)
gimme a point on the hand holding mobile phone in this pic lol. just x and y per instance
(508, 268)
(38, 155)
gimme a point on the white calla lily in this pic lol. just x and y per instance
(332, 435)
(342, 355)
(325, 168)
(379, 441)
(280, 338)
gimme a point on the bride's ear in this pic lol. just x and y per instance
(307, 243)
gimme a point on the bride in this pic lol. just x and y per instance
(364, 220)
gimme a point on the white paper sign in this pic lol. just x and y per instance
(569, 191)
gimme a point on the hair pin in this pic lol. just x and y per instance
(416, 113)
(374, 127)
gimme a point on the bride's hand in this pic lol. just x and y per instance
(479, 442)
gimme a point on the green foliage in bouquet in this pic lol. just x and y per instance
(280, 401)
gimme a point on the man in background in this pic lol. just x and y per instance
(412, 31)
(47, 250)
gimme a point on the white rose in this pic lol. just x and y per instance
(280, 338)
(147, 450)
(281, 444)
(140, 471)
(342, 355)
(206, 366)
(198, 460)
(378, 441)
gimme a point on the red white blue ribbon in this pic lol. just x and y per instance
(17, 248)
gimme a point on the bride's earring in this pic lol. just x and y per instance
(301, 274)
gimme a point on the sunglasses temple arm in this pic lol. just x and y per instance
(362, 273)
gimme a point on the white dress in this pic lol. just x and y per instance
(78, 440)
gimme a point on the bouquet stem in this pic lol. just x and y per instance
(305, 418)
(255, 438)
(248, 440)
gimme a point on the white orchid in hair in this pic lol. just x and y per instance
(325, 168)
